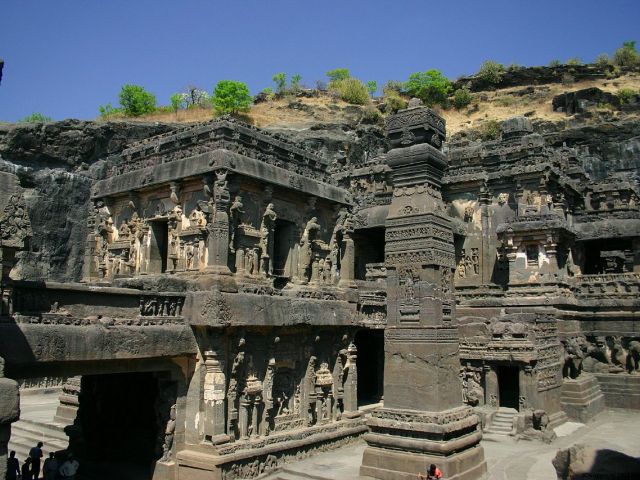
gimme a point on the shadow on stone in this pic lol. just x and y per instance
(583, 462)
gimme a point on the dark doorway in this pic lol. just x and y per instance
(509, 386)
(369, 248)
(158, 247)
(595, 255)
(370, 345)
(120, 425)
(283, 240)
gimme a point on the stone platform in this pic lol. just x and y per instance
(506, 457)
(620, 390)
(582, 398)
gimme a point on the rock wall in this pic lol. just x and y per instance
(54, 165)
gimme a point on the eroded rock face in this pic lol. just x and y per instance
(582, 462)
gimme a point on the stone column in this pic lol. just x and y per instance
(214, 393)
(9, 413)
(244, 418)
(423, 420)
(255, 409)
(350, 398)
(635, 246)
(490, 386)
(218, 225)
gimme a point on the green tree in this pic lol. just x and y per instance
(280, 79)
(372, 86)
(602, 60)
(338, 74)
(431, 87)
(35, 117)
(136, 101)
(574, 62)
(177, 100)
(627, 55)
(491, 72)
(295, 82)
(230, 96)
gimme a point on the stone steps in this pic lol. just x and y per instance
(25, 434)
(502, 421)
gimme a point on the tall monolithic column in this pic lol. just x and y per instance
(423, 420)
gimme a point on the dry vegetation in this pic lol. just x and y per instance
(302, 112)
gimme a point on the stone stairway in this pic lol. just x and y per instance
(502, 423)
(25, 434)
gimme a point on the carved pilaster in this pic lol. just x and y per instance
(214, 395)
(218, 224)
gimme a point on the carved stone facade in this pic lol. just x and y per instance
(258, 275)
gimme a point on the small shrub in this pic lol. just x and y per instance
(602, 60)
(461, 98)
(35, 117)
(395, 85)
(490, 130)
(431, 87)
(230, 96)
(195, 97)
(627, 55)
(514, 67)
(371, 115)
(506, 101)
(280, 79)
(372, 86)
(491, 72)
(338, 74)
(627, 95)
(574, 62)
(351, 90)
(107, 111)
(555, 63)
(136, 101)
(393, 101)
(567, 79)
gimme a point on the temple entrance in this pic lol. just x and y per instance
(283, 241)
(612, 255)
(509, 386)
(158, 246)
(370, 345)
(369, 249)
(121, 426)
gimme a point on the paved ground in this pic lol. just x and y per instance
(507, 459)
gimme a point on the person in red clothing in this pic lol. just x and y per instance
(433, 473)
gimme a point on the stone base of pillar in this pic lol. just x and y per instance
(69, 401)
(582, 398)
(403, 443)
(218, 270)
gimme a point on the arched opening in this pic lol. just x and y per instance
(370, 345)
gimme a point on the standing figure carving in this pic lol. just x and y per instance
(169, 433)
(306, 248)
(266, 239)
(236, 212)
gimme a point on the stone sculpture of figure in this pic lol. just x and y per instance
(124, 231)
(266, 241)
(573, 358)
(235, 215)
(472, 391)
(633, 356)
(306, 251)
(618, 353)
(598, 358)
(168, 435)
(196, 219)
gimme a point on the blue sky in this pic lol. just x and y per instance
(63, 58)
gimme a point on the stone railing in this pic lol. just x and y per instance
(608, 284)
(376, 272)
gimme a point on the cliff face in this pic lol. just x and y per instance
(53, 166)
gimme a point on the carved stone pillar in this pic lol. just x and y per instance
(218, 226)
(245, 405)
(240, 261)
(214, 393)
(490, 386)
(423, 420)
(255, 410)
(69, 401)
(351, 383)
